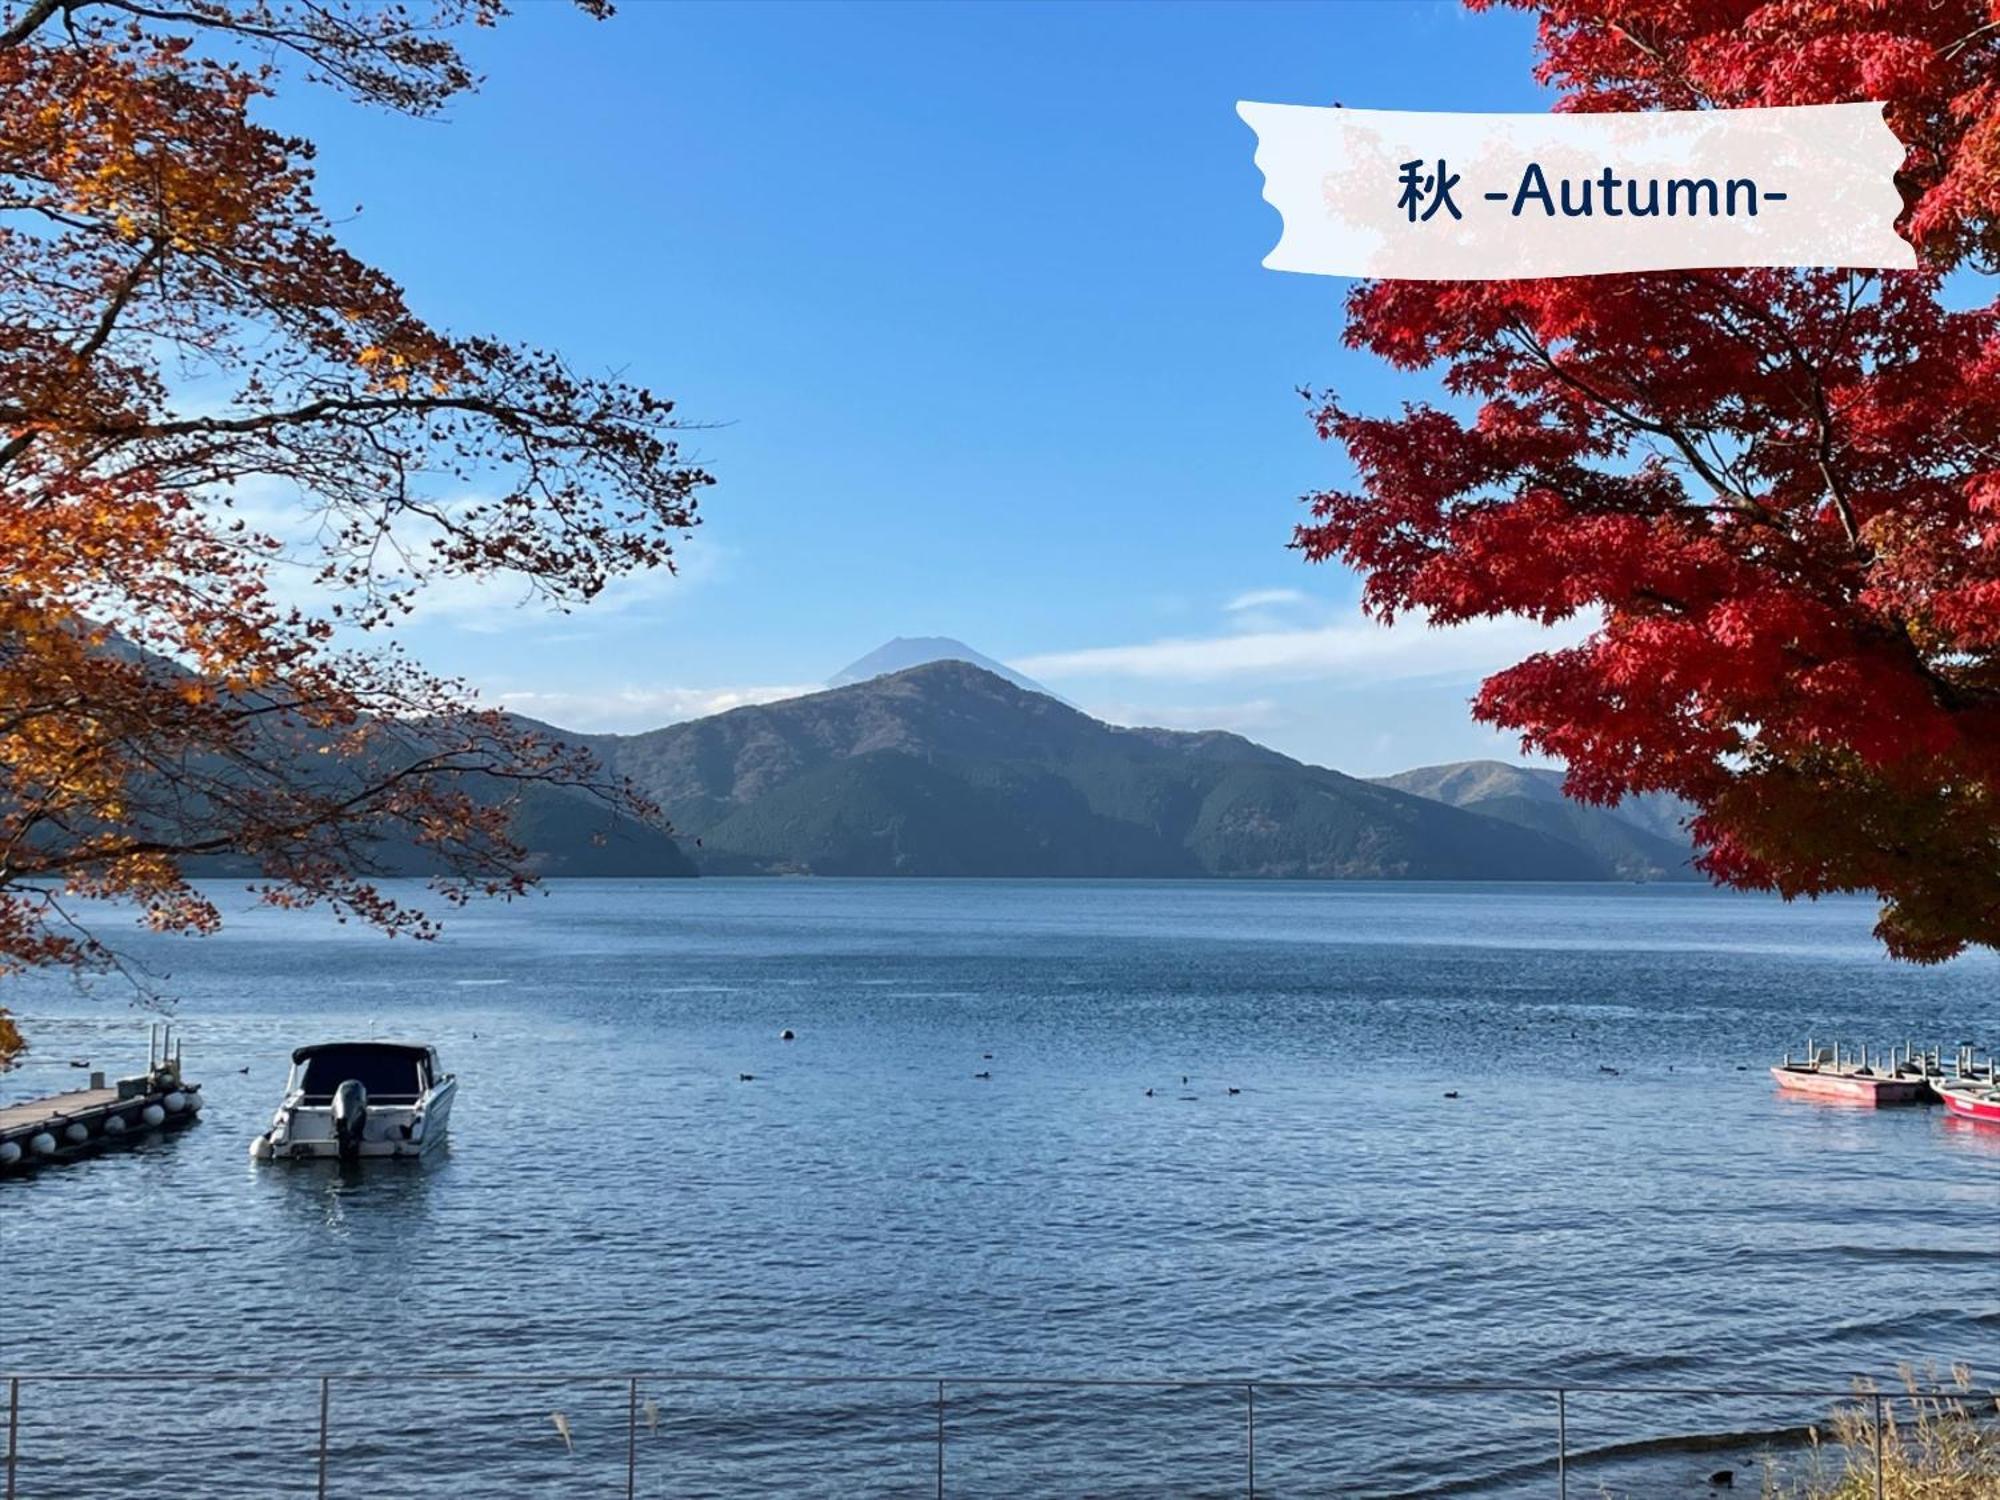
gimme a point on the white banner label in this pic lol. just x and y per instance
(1465, 197)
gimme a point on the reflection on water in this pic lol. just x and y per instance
(1310, 1203)
(384, 1196)
(1970, 1135)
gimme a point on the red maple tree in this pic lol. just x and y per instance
(1778, 490)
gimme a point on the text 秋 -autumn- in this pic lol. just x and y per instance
(1430, 188)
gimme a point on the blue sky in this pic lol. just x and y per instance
(972, 295)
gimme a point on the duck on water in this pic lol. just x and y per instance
(348, 1100)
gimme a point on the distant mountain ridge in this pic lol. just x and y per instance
(1644, 838)
(561, 830)
(946, 768)
(564, 831)
(907, 651)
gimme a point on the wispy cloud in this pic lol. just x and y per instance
(632, 709)
(1276, 611)
(1266, 598)
(502, 602)
(1246, 717)
(491, 604)
(1358, 650)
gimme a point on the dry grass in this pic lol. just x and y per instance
(1939, 1442)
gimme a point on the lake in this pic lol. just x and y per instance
(616, 1199)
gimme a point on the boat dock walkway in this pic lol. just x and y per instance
(81, 1122)
(30, 1114)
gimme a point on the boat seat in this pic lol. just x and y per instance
(373, 1098)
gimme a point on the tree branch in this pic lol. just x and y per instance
(30, 22)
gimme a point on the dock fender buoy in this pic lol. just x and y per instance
(260, 1148)
(114, 1124)
(42, 1143)
(175, 1102)
(10, 1152)
(76, 1132)
(152, 1114)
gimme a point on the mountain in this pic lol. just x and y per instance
(905, 652)
(1642, 838)
(1472, 780)
(570, 833)
(948, 769)
(563, 831)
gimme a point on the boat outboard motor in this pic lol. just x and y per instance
(350, 1114)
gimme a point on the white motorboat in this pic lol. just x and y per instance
(348, 1100)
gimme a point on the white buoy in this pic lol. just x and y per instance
(260, 1148)
(152, 1114)
(175, 1102)
(114, 1125)
(76, 1132)
(42, 1144)
(10, 1152)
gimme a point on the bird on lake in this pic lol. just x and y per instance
(746, 1077)
(242, 1070)
(79, 1062)
(1149, 1093)
(1451, 1093)
(982, 1075)
(1603, 1068)
(1236, 1091)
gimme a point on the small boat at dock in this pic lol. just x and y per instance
(82, 1122)
(1971, 1101)
(1902, 1076)
(1973, 1090)
(348, 1100)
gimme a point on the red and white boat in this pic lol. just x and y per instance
(1851, 1085)
(1901, 1076)
(1971, 1100)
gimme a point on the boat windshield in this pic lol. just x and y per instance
(392, 1075)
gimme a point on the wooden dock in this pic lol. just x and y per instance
(32, 1114)
(82, 1122)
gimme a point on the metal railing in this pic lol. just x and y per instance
(936, 1388)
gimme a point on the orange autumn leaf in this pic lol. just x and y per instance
(161, 708)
